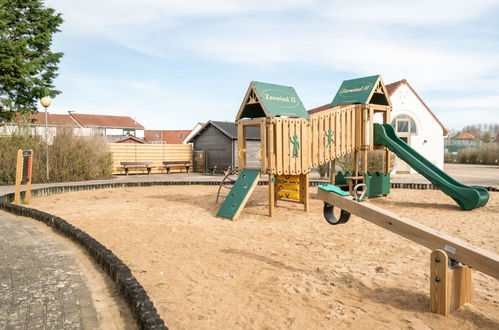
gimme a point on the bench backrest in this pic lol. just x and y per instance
(136, 163)
(177, 162)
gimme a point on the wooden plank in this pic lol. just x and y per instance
(332, 124)
(251, 122)
(371, 128)
(263, 146)
(271, 146)
(474, 257)
(278, 146)
(337, 131)
(299, 132)
(343, 133)
(305, 156)
(315, 141)
(358, 127)
(327, 127)
(271, 194)
(305, 191)
(241, 145)
(285, 147)
(352, 127)
(349, 130)
(321, 140)
(292, 160)
(439, 295)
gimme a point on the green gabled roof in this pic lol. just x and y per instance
(362, 90)
(269, 100)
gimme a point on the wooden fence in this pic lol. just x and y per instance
(335, 133)
(156, 153)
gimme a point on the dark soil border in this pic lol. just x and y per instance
(138, 301)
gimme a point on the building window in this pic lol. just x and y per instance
(405, 125)
(127, 131)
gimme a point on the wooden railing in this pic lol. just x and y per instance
(335, 133)
(156, 153)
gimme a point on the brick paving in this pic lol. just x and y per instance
(40, 282)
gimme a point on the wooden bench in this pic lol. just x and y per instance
(177, 164)
(136, 166)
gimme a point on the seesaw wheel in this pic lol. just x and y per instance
(331, 217)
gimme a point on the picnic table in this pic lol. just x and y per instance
(137, 166)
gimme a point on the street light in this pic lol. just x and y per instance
(46, 102)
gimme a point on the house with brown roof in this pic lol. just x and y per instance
(108, 126)
(414, 123)
(111, 127)
(166, 136)
(171, 136)
(34, 124)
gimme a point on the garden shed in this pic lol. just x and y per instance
(218, 139)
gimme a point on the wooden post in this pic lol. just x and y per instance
(332, 173)
(307, 193)
(450, 288)
(263, 155)
(364, 162)
(386, 119)
(272, 196)
(19, 176)
(27, 195)
(23, 175)
(241, 144)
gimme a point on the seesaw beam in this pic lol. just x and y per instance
(479, 259)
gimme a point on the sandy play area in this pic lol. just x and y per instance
(292, 271)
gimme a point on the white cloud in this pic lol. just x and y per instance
(398, 39)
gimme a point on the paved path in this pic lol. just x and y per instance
(40, 282)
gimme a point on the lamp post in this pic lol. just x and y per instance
(46, 102)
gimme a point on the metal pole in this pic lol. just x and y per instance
(46, 144)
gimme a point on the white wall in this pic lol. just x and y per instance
(404, 102)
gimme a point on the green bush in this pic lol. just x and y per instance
(375, 162)
(71, 158)
(487, 154)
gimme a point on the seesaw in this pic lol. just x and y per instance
(451, 259)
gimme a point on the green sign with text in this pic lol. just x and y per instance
(280, 100)
(355, 90)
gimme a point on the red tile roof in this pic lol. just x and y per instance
(129, 139)
(52, 119)
(106, 121)
(391, 88)
(464, 136)
(166, 136)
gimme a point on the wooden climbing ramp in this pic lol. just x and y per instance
(239, 194)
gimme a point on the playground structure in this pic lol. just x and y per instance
(292, 142)
(291, 146)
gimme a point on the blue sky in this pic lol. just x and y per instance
(172, 63)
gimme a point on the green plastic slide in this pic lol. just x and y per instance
(239, 194)
(467, 197)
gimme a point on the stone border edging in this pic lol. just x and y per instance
(141, 306)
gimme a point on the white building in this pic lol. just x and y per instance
(416, 124)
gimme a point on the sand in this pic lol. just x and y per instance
(292, 271)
